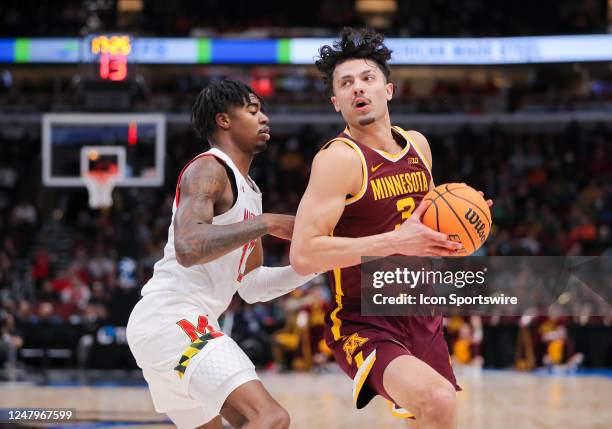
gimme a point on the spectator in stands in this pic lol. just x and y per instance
(100, 264)
(560, 353)
(48, 292)
(10, 342)
(41, 269)
(466, 346)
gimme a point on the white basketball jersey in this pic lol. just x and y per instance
(212, 284)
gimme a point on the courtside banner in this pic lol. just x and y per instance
(486, 285)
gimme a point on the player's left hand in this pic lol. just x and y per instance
(489, 201)
(280, 225)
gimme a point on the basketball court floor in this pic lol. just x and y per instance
(491, 400)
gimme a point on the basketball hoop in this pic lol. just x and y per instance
(100, 185)
(102, 168)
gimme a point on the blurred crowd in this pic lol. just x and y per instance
(308, 18)
(299, 89)
(69, 275)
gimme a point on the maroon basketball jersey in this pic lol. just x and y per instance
(393, 186)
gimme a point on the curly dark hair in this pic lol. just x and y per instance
(354, 43)
(218, 97)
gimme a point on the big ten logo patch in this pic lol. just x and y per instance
(247, 249)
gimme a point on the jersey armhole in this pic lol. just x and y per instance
(230, 175)
(364, 169)
(415, 145)
(232, 178)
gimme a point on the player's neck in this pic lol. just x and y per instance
(241, 160)
(376, 135)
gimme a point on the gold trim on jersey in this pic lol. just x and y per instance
(364, 168)
(393, 157)
(401, 153)
(416, 146)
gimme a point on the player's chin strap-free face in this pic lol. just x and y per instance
(266, 283)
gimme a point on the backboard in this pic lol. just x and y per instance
(136, 140)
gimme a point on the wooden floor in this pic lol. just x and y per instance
(493, 400)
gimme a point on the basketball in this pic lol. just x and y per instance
(460, 212)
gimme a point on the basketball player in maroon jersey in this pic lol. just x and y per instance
(363, 198)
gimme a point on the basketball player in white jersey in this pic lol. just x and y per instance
(196, 374)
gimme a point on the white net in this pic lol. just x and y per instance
(102, 168)
(100, 186)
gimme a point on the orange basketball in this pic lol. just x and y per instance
(460, 212)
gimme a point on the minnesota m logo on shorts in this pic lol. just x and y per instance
(198, 342)
(352, 343)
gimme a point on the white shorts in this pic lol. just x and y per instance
(190, 366)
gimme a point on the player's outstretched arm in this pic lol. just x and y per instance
(336, 173)
(262, 284)
(196, 239)
(267, 283)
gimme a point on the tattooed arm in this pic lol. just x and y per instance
(206, 192)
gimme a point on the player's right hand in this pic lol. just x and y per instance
(415, 239)
(279, 225)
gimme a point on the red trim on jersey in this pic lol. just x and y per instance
(248, 246)
(178, 183)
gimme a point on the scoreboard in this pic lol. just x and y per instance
(110, 54)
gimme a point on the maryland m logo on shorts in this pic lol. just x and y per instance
(207, 333)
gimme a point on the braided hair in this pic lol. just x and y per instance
(218, 97)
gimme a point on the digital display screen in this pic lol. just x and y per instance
(112, 53)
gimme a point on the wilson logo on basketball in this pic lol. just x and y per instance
(473, 218)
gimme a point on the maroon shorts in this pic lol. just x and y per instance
(369, 344)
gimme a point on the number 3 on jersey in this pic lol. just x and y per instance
(405, 206)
